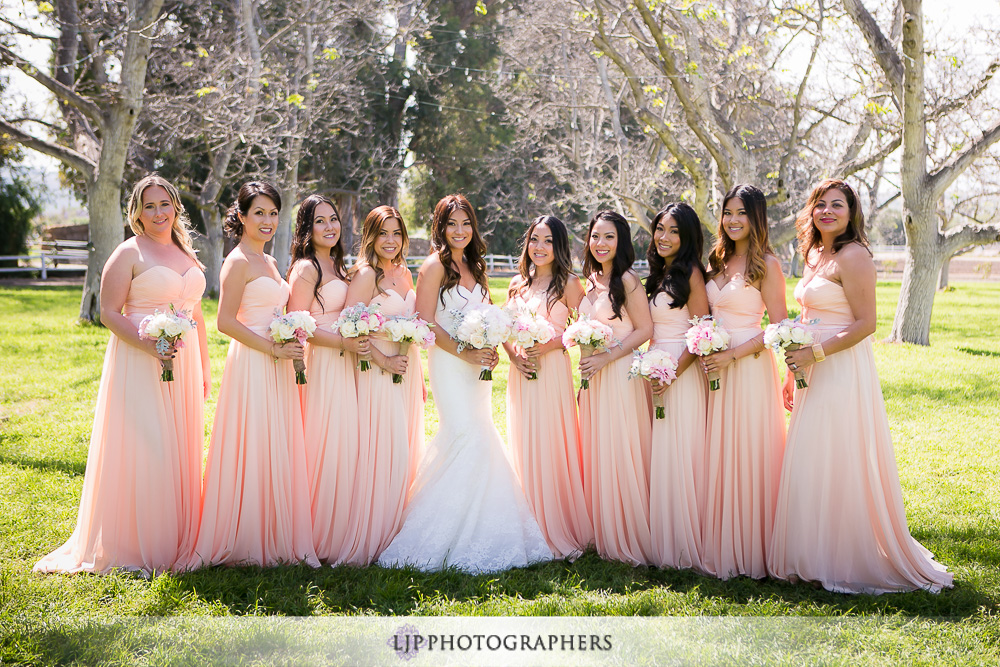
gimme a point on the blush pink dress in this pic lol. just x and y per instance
(840, 519)
(256, 504)
(543, 432)
(746, 438)
(615, 428)
(142, 488)
(677, 467)
(330, 427)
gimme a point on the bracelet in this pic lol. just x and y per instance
(818, 353)
(270, 351)
(756, 351)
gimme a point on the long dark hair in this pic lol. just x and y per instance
(562, 263)
(249, 191)
(755, 205)
(675, 278)
(473, 253)
(302, 247)
(808, 236)
(374, 221)
(624, 258)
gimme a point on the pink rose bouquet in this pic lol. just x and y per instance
(297, 325)
(658, 365)
(705, 337)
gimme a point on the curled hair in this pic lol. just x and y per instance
(374, 222)
(302, 245)
(180, 228)
(562, 264)
(232, 225)
(807, 234)
(474, 252)
(755, 205)
(624, 258)
(674, 279)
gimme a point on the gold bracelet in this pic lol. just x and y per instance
(818, 353)
(270, 350)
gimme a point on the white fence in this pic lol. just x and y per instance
(51, 256)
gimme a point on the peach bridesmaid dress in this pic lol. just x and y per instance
(142, 488)
(746, 438)
(256, 504)
(677, 468)
(840, 519)
(391, 424)
(615, 416)
(544, 438)
(330, 426)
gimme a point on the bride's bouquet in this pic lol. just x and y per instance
(357, 321)
(481, 327)
(168, 330)
(789, 335)
(296, 325)
(591, 335)
(705, 337)
(408, 331)
(658, 365)
(529, 328)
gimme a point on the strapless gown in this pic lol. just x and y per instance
(256, 507)
(677, 468)
(746, 438)
(615, 416)
(840, 518)
(466, 508)
(544, 435)
(142, 488)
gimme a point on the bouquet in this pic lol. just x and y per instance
(705, 337)
(789, 335)
(296, 325)
(530, 329)
(357, 321)
(481, 327)
(167, 329)
(656, 365)
(408, 331)
(591, 335)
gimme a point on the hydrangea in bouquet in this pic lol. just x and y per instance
(789, 335)
(408, 331)
(296, 325)
(357, 321)
(529, 329)
(658, 365)
(591, 335)
(706, 337)
(481, 327)
(168, 330)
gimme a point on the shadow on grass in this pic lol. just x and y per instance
(74, 468)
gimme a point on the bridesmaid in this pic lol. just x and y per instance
(676, 291)
(746, 426)
(615, 412)
(142, 487)
(318, 283)
(391, 416)
(840, 520)
(542, 425)
(256, 505)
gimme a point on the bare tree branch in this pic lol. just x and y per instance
(65, 93)
(66, 155)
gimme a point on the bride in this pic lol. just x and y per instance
(466, 509)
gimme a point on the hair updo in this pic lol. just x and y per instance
(232, 225)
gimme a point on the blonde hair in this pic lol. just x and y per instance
(180, 229)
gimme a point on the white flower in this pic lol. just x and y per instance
(799, 335)
(477, 340)
(349, 330)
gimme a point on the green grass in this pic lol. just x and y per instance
(944, 410)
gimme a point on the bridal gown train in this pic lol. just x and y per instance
(466, 509)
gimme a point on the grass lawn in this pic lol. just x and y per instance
(944, 411)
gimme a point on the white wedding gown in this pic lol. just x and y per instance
(466, 507)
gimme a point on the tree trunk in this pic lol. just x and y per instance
(210, 246)
(912, 322)
(943, 277)
(106, 233)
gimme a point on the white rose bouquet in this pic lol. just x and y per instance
(705, 337)
(789, 335)
(408, 331)
(591, 335)
(357, 321)
(529, 328)
(482, 327)
(657, 365)
(168, 330)
(296, 325)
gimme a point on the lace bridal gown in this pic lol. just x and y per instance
(466, 509)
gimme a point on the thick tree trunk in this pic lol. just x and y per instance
(943, 276)
(106, 233)
(924, 257)
(210, 247)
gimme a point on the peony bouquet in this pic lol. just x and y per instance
(658, 365)
(357, 321)
(481, 327)
(789, 335)
(591, 335)
(705, 337)
(296, 325)
(529, 329)
(168, 330)
(408, 331)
